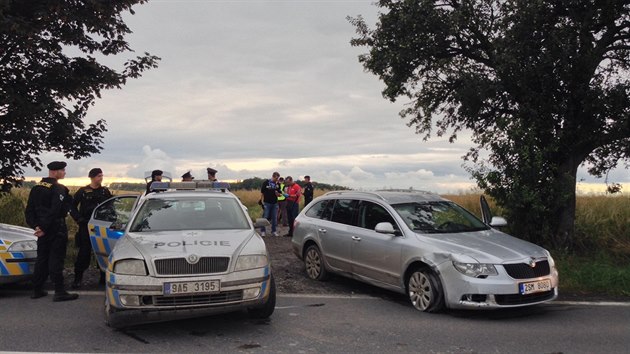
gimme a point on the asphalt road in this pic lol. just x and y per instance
(319, 323)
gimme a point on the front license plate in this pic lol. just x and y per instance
(534, 286)
(192, 287)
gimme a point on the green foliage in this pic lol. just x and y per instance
(12, 209)
(599, 274)
(542, 86)
(45, 92)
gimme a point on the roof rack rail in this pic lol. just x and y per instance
(189, 185)
(420, 191)
(352, 191)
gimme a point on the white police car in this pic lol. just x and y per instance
(188, 249)
(18, 252)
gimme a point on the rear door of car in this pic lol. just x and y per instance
(107, 225)
(375, 255)
(335, 234)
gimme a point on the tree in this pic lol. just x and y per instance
(49, 76)
(542, 85)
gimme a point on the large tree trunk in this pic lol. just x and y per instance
(563, 235)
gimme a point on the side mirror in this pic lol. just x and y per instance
(261, 222)
(498, 221)
(385, 228)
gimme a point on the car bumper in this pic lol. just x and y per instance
(16, 266)
(141, 299)
(500, 291)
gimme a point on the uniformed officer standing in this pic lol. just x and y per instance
(212, 174)
(46, 210)
(85, 200)
(308, 190)
(156, 176)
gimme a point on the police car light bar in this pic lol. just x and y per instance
(189, 185)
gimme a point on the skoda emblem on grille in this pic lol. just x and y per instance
(192, 259)
(532, 263)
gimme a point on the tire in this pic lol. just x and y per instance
(425, 290)
(267, 309)
(108, 313)
(314, 262)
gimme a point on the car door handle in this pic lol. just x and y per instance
(322, 230)
(356, 238)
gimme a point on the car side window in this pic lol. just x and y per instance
(345, 211)
(320, 210)
(117, 211)
(370, 214)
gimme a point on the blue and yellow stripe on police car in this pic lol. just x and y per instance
(112, 295)
(102, 240)
(13, 268)
(4, 245)
(266, 285)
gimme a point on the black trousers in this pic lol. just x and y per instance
(293, 209)
(84, 255)
(51, 252)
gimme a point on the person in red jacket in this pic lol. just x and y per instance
(293, 194)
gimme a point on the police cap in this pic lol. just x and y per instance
(56, 165)
(95, 172)
(211, 171)
(188, 175)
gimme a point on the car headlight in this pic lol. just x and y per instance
(130, 267)
(251, 262)
(475, 270)
(23, 246)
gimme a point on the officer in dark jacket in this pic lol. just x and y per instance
(156, 176)
(48, 205)
(85, 201)
(308, 190)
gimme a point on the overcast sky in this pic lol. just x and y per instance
(250, 87)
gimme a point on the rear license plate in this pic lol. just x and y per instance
(534, 286)
(192, 287)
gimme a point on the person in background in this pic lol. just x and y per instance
(85, 200)
(187, 177)
(156, 176)
(269, 192)
(48, 205)
(282, 205)
(293, 193)
(212, 174)
(308, 190)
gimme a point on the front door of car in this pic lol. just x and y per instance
(107, 225)
(486, 214)
(376, 256)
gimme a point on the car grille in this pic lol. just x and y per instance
(524, 271)
(518, 299)
(179, 266)
(208, 299)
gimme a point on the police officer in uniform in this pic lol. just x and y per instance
(156, 176)
(308, 190)
(85, 201)
(187, 177)
(212, 174)
(48, 205)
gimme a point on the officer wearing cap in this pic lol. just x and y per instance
(211, 174)
(156, 176)
(85, 200)
(187, 177)
(48, 205)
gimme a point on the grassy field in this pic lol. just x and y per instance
(602, 227)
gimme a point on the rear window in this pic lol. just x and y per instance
(203, 213)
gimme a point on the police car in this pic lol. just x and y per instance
(18, 252)
(187, 249)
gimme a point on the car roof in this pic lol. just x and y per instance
(391, 196)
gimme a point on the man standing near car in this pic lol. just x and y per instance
(308, 190)
(293, 194)
(212, 174)
(86, 199)
(48, 205)
(269, 193)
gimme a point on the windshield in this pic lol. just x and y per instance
(438, 217)
(199, 213)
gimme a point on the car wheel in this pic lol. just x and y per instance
(108, 313)
(267, 309)
(425, 291)
(314, 262)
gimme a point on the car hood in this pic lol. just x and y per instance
(489, 246)
(14, 233)
(168, 244)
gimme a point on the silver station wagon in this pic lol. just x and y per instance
(187, 249)
(422, 245)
